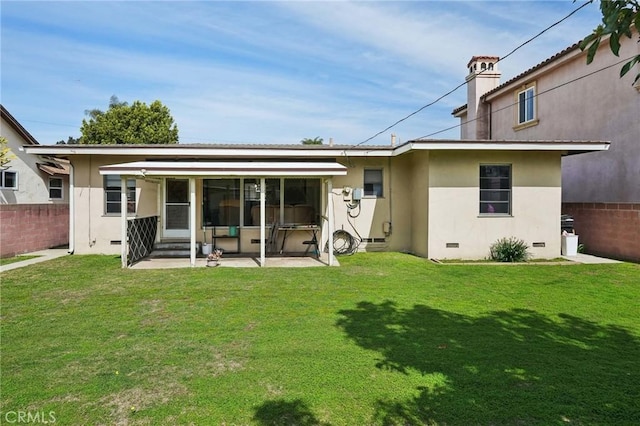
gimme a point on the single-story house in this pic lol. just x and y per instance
(434, 198)
(34, 197)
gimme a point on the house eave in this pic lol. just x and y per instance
(204, 152)
(214, 151)
(565, 147)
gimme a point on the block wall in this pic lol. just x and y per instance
(26, 228)
(607, 229)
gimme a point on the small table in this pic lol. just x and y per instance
(313, 242)
(215, 237)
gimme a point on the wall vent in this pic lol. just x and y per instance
(539, 244)
(116, 242)
(453, 245)
(374, 240)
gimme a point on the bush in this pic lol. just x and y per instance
(509, 250)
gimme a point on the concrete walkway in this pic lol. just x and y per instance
(589, 259)
(43, 255)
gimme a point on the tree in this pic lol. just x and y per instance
(70, 141)
(129, 124)
(5, 152)
(618, 19)
(315, 141)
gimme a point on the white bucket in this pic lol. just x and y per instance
(206, 248)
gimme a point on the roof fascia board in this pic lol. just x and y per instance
(15, 124)
(510, 146)
(206, 152)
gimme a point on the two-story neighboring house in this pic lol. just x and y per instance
(34, 195)
(563, 98)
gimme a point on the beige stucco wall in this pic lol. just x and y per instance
(95, 232)
(419, 198)
(33, 185)
(600, 106)
(430, 199)
(453, 212)
(373, 212)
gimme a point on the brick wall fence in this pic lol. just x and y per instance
(607, 229)
(29, 227)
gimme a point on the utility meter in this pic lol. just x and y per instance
(357, 194)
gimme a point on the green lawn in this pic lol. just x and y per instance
(8, 260)
(385, 339)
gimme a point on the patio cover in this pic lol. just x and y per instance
(224, 168)
(193, 169)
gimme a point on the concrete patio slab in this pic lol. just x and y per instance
(237, 262)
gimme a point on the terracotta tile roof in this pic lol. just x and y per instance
(536, 67)
(523, 74)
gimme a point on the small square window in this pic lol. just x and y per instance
(9, 180)
(55, 188)
(373, 183)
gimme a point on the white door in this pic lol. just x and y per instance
(176, 208)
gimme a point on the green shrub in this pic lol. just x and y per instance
(509, 250)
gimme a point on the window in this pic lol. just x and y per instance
(495, 189)
(55, 188)
(526, 105)
(112, 194)
(221, 202)
(9, 180)
(373, 183)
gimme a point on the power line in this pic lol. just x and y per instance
(537, 95)
(464, 83)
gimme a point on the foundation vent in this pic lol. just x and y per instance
(539, 244)
(374, 240)
(453, 245)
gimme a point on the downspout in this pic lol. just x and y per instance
(490, 121)
(72, 209)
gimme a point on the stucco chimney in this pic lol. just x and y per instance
(393, 139)
(483, 77)
(330, 141)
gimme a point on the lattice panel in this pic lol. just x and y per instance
(141, 234)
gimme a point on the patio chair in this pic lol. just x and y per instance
(272, 239)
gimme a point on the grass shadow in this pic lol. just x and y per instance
(506, 367)
(285, 413)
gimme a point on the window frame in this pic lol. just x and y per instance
(3, 180)
(526, 111)
(56, 188)
(488, 201)
(131, 196)
(373, 192)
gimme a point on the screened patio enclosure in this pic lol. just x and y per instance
(253, 196)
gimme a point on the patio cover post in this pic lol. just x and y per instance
(192, 220)
(123, 221)
(330, 214)
(263, 234)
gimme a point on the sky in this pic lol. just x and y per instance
(265, 72)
